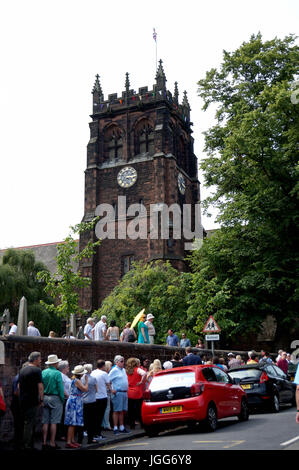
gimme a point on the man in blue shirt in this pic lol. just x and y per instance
(184, 341)
(172, 339)
(119, 389)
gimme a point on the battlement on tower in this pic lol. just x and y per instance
(143, 97)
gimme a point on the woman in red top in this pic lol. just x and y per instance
(136, 378)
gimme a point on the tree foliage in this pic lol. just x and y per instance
(18, 278)
(65, 284)
(248, 270)
(157, 287)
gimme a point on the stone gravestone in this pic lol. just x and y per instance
(73, 324)
(22, 318)
(5, 320)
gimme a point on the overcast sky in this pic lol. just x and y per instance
(50, 54)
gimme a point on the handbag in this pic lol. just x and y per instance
(2, 406)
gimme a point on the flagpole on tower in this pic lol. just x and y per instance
(155, 39)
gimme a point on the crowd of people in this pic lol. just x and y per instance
(88, 400)
(100, 331)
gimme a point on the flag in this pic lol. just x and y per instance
(155, 35)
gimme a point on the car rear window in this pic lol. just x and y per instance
(173, 380)
(245, 374)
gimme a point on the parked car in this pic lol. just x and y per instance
(191, 394)
(266, 385)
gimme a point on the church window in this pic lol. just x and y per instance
(145, 139)
(113, 145)
(127, 264)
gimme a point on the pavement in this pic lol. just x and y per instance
(109, 438)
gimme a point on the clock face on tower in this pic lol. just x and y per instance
(181, 183)
(127, 177)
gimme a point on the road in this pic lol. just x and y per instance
(263, 431)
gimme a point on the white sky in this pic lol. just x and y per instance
(50, 54)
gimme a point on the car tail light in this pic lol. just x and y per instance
(264, 378)
(147, 395)
(197, 389)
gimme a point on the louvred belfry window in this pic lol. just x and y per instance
(113, 144)
(145, 139)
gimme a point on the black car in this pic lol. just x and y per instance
(266, 385)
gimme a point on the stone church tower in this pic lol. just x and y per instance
(140, 151)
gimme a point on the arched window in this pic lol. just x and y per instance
(113, 144)
(144, 138)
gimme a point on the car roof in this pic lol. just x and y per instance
(185, 369)
(249, 366)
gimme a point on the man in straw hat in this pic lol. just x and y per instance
(53, 400)
(151, 329)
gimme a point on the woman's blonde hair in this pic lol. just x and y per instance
(157, 366)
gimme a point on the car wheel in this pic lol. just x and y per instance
(275, 404)
(211, 419)
(151, 431)
(244, 413)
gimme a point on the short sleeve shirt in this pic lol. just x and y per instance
(99, 331)
(102, 380)
(87, 331)
(119, 379)
(13, 330)
(29, 378)
(52, 382)
(90, 395)
(172, 340)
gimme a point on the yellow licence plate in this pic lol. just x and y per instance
(171, 409)
(246, 387)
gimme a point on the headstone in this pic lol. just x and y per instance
(5, 319)
(22, 318)
(73, 324)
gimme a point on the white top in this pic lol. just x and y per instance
(151, 328)
(13, 330)
(32, 331)
(66, 384)
(87, 331)
(102, 381)
(99, 330)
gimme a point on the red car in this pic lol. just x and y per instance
(190, 394)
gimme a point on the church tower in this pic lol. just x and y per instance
(140, 155)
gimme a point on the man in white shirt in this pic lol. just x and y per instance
(32, 330)
(88, 329)
(103, 383)
(13, 328)
(151, 329)
(100, 329)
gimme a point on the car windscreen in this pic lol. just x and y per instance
(173, 380)
(245, 374)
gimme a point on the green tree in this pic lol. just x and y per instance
(248, 269)
(65, 284)
(157, 287)
(18, 278)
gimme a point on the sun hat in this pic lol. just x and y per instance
(149, 316)
(79, 370)
(52, 359)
